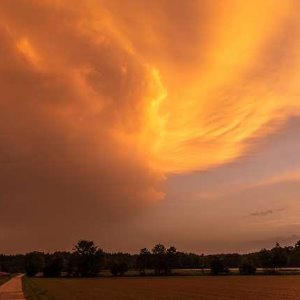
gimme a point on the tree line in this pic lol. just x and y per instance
(87, 260)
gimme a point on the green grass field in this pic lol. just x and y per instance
(204, 287)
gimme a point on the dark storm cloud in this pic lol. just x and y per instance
(64, 101)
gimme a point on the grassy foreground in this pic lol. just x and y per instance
(205, 287)
(4, 279)
(34, 291)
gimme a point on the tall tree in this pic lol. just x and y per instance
(88, 258)
(159, 259)
(279, 257)
(171, 255)
(265, 259)
(34, 263)
(144, 260)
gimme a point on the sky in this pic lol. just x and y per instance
(139, 122)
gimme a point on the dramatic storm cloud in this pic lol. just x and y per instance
(108, 107)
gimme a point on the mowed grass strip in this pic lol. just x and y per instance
(205, 287)
(34, 291)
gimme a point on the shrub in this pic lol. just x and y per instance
(216, 266)
(118, 268)
(247, 268)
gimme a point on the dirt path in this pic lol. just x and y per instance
(12, 289)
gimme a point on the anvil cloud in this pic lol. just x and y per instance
(103, 100)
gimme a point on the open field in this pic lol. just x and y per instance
(204, 287)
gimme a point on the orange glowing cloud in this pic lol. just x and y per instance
(216, 82)
(102, 99)
(208, 85)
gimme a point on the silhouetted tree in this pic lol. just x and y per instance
(265, 259)
(159, 259)
(118, 268)
(294, 255)
(54, 265)
(247, 267)
(279, 258)
(171, 255)
(144, 261)
(12, 263)
(34, 263)
(87, 259)
(216, 266)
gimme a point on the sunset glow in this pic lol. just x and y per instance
(108, 99)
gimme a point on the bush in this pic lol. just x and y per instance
(118, 268)
(34, 263)
(54, 267)
(216, 266)
(247, 268)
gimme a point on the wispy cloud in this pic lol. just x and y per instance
(263, 213)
